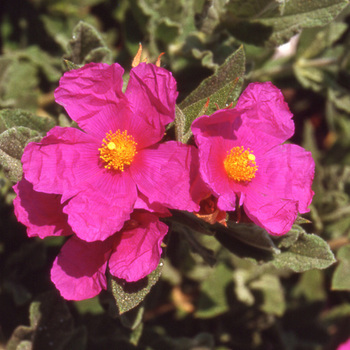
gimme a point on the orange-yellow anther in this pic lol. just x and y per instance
(137, 59)
(118, 150)
(240, 164)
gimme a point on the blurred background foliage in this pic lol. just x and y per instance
(234, 288)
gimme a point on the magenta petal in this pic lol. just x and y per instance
(100, 210)
(142, 202)
(63, 161)
(40, 212)
(212, 153)
(287, 172)
(224, 123)
(139, 250)
(344, 346)
(152, 94)
(275, 215)
(264, 106)
(78, 272)
(92, 93)
(162, 174)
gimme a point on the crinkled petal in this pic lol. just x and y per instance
(285, 172)
(212, 153)
(199, 189)
(93, 94)
(138, 252)
(142, 202)
(62, 163)
(263, 107)
(40, 212)
(224, 123)
(152, 94)
(275, 215)
(79, 270)
(100, 210)
(162, 174)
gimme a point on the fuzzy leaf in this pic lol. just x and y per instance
(296, 250)
(267, 23)
(308, 252)
(17, 129)
(129, 295)
(341, 278)
(17, 117)
(221, 88)
(87, 45)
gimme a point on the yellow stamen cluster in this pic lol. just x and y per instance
(118, 150)
(240, 164)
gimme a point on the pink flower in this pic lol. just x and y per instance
(344, 346)
(243, 160)
(79, 271)
(115, 164)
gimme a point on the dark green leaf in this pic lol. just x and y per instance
(222, 88)
(251, 8)
(87, 45)
(51, 325)
(128, 295)
(133, 318)
(268, 23)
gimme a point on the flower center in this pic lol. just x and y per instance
(240, 164)
(118, 150)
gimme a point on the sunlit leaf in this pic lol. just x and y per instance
(128, 295)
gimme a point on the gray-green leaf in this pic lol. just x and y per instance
(128, 295)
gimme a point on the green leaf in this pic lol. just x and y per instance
(271, 24)
(17, 117)
(87, 45)
(246, 241)
(251, 8)
(308, 252)
(133, 318)
(17, 129)
(128, 295)
(70, 65)
(289, 238)
(313, 41)
(311, 286)
(296, 250)
(341, 278)
(270, 288)
(221, 88)
(213, 295)
(336, 313)
(27, 74)
(340, 97)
